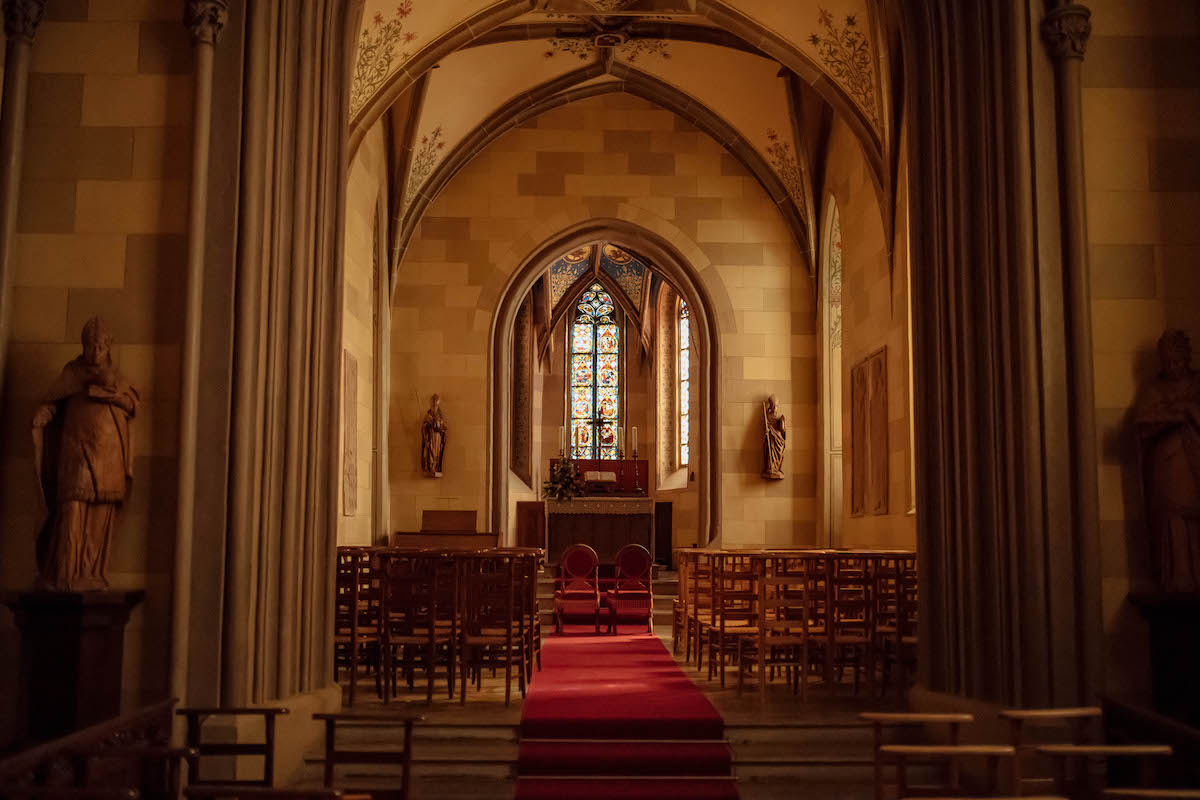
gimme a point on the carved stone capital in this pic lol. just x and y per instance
(22, 17)
(1066, 29)
(205, 19)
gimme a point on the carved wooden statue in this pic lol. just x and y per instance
(83, 453)
(776, 439)
(1168, 425)
(433, 439)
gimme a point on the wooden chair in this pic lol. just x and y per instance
(336, 756)
(529, 563)
(701, 611)
(195, 719)
(1078, 756)
(491, 620)
(356, 631)
(783, 624)
(418, 618)
(850, 625)
(734, 609)
(881, 721)
(632, 593)
(893, 612)
(679, 606)
(578, 589)
(1081, 723)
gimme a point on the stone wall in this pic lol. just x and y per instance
(363, 191)
(607, 156)
(874, 315)
(1141, 106)
(101, 230)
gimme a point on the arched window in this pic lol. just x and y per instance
(685, 352)
(595, 348)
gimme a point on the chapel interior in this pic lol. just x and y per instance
(572, 399)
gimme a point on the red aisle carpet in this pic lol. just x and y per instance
(615, 717)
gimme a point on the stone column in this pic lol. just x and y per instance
(1065, 31)
(21, 20)
(204, 19)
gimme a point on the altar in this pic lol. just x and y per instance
(606, 524)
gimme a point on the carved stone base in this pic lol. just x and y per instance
(72, 645)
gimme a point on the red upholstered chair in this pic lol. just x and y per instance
(631, 595)
(577, 592)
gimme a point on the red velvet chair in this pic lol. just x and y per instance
(631, 596)
(578, 589)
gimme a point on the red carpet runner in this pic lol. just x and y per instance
(615, 717)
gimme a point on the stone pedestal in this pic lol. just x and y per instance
(1174, 621)
(71, 651)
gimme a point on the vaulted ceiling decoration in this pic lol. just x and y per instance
(566, 271)
(626, 271)
(834, 39)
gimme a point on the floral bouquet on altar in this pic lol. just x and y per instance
(564, 481)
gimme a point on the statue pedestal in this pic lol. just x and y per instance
(72, 645)
(1174, 621)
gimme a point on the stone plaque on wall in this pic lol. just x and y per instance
(869, 436)
(350, 435)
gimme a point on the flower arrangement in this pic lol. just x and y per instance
(564, 481)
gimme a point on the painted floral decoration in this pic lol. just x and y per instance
(425, 157)
(846, 52)
(780, 154)
(377, 53)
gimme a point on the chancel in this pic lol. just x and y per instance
(600, 398)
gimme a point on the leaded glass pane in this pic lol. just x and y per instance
(607, 339)
(684, 397)
(685, 366)
(685, 430)
(581, 341)
(606, 402)
(581, 439)
(684, 332)
(581, 402)
(606, 372)
(581, 370)
(683, 453)
(608, 435)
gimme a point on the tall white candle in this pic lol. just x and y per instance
(562, 438)
(620, 438)
(634, 442)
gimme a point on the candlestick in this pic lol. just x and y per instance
(636, 484)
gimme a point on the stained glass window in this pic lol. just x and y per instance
(595, 340)
(685, 384)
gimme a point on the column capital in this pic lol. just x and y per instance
(205, 19)
(1065, 30)
(22, 17)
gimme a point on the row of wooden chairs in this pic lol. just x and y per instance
(1058, 766)
(798, 613)
(449, 614)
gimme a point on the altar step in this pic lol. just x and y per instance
(771, 761)
(666, 589)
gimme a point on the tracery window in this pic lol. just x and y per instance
(595, 349)
(685, 352)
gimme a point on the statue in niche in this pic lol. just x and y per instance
(1168, 426)
(433, 439)
(83, 454)
(776, 439)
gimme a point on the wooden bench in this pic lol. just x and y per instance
(1082, 721)
(336, 756)
(889, 719)
(1081, 754)
(265, 749)
(903, 754)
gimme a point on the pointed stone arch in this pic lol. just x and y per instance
(676, 257)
